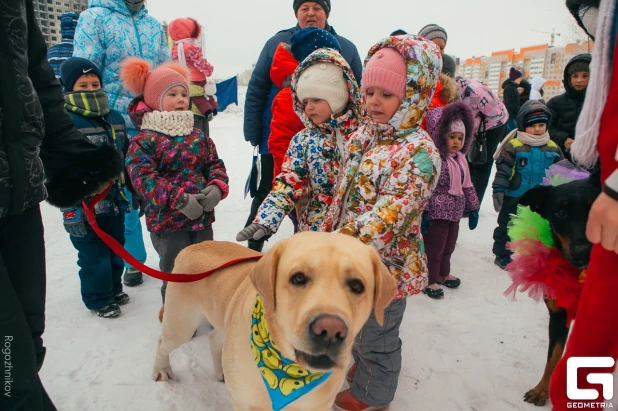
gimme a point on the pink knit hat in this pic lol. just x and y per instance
(184, 29)
(457, 126)
(386, 69)
(153, 84)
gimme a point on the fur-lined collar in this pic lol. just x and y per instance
(171, 123)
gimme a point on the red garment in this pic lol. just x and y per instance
(595, 333)
(285, 123)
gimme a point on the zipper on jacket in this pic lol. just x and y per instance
(139, 43)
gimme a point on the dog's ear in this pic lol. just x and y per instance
(385, 288)
(536, 198)
(264, 276)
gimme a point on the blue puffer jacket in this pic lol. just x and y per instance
(262, 90)
(106, 34)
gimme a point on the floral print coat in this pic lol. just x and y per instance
(391, 172)
(313, 158)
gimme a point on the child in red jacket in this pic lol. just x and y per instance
(285, 123)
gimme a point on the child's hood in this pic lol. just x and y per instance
(117, 6)
(586, 58)
(531, 106)
(447, 90)
(423, 64)
(328, 55)
(283, 65)
(537, 83)
(137, 108)
(439, 122)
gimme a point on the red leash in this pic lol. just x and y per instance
(124, 254)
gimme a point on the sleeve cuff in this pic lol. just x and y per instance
(225, 189)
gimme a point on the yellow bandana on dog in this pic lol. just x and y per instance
(285, 380)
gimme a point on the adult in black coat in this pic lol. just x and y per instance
(566, 108)
(37, 143)
(512, 98)
(262, 91)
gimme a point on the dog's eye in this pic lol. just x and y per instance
(356, 286)
(561, 214)
(299, 279)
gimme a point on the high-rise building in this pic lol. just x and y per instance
(48, 14)
(543, 61)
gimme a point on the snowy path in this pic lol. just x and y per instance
(473, 350)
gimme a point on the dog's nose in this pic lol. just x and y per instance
(580, 255)
(328, 330)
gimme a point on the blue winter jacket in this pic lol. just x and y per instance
(99, 131)
(262, 90)
(106, 34)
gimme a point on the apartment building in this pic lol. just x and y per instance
(541, 60)
(48, 14)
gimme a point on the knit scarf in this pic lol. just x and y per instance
(456, 164)
(285, 380)
(171, 123)
(584, 149)
(527, 139)
(87, 103)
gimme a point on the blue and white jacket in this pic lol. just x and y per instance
(106, 34)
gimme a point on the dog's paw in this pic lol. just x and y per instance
(162, 375)
(537, 396)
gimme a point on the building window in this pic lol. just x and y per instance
(553, 58)
(58, 3)
(58, 11)
(66, 4)
(53, 31)
(55, 38)
(51, 23)
(44, 30)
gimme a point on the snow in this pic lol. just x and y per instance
(473, 350)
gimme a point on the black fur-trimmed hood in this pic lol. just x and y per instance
(440, 119)
(68, 185)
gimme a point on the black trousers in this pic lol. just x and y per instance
(501, 236)
(266, 183)
(22, 311)
(480, 173)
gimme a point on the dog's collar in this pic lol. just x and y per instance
(285, 380)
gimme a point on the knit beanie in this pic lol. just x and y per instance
(325, 4)
(75, 67)
(578, 66)
(307, 40)
(433, 31)
(514, 74)
(68, 22)
(184, 29)
(536, 117)
(153, 84)
(448, 66)
(386, 69)
(324, 81)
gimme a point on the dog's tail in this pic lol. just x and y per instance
(161, 311)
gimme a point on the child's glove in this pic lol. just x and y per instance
(498, 200)
(426, 224)
(73, 220)
(192, 207)
(213, 196)
(473, 219)
(254, 231)
(139, 203)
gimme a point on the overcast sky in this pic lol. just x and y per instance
(236, 30)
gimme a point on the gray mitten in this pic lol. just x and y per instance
(213, 196)
(191, 206)
(254, 231)
(498, 200)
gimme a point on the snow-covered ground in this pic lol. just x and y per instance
(473, 350)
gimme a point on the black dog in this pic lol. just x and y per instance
(566, 207)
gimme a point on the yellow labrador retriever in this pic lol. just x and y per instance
(317, 289)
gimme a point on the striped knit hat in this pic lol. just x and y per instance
(536, 117)
(68, 22)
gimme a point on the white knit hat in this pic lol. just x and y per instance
(324, 81)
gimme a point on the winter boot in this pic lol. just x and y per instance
(345, 401)
(110, 310)
(122, 298)
(132, 277)
(256, 245)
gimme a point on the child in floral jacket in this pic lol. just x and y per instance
(314, 157)
(452, 130)
(171, 163)
(388, 179)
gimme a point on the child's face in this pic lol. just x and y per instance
(580, 79)
(381, 104)
(455, 142)
(441, 45)
(537, 129)
(175, 99)
(87, 82)
(317, 110)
